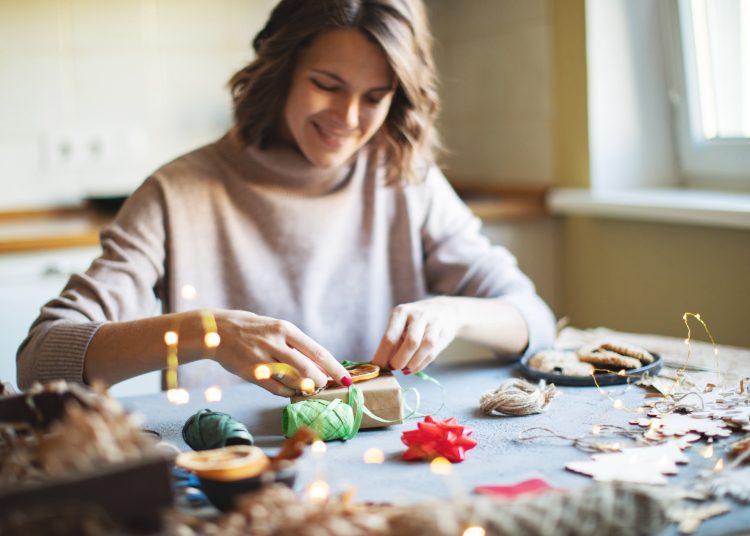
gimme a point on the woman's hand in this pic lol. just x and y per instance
(249, 340)
(416, 334)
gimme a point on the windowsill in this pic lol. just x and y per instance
(692, 207)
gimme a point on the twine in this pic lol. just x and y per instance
(329, 419)
(334, 419)
(518, 397)
(209, 429)
(590, 442)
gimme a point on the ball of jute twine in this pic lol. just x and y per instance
(518, 397)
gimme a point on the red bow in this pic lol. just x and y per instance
(438, 438)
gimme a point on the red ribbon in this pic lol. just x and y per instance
(438, 438)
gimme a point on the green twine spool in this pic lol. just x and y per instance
(333, 419)
(329, 419)
(209, 429)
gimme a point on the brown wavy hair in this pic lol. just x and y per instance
(408, 136)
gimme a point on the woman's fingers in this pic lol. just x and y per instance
(391, 339)
(415, 335)
(316, 362)
(277, 387)
(411, 341)
(254, 340)
(429, 348)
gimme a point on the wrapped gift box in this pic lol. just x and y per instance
(382, 397)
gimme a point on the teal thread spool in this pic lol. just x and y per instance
(209, 429)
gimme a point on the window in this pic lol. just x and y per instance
(711, 91)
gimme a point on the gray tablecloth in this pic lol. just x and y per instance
(498, 457)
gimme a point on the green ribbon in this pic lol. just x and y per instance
(209, 429)
(411, 412)
(329, 419)
(334, 419)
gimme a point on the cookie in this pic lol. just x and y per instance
(608, 359)
(560, 362)
(630, 350)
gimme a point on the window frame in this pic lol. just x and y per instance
(722, 163)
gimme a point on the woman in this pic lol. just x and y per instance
(317, 229)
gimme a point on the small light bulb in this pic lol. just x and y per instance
(474, 530)
(188, 292)
(170, 338)
(374, 455)
(719, 465)
(212, 339)
(318, 447)
(318, 491)
(262, 372)
(213, 394)
(618, 404)
(441, 466)
(306, 385)
(596, 429)
(687, 341)
(178, 396)
(698, 316)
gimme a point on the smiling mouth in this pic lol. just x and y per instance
(333, 140)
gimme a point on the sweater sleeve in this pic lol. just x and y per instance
(461, 261)
(124, 283)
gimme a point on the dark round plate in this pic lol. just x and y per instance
(222, 493)
(602, 378)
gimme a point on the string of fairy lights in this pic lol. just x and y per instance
(673, 399)
(319, 489)
(211, 341)
(680, 375)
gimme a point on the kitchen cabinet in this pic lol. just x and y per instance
(27, 282)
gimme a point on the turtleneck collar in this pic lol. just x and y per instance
(283, 166)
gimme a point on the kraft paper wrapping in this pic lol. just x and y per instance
(382, 397)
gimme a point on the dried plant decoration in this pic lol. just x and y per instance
(94, 430)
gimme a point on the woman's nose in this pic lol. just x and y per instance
(348, 111)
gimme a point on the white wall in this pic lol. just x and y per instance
(27, 282)
(147, 79)
(96, 94)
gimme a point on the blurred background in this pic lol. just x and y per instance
(568, 127)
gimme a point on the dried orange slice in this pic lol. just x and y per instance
(363, 372)
(226, 463)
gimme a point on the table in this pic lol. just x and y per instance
(497, 459)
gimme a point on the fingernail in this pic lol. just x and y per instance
(406, 371)
(346, 380)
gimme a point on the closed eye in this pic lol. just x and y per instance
(324, 87)
(374, 99)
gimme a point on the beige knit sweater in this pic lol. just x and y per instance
(332, 251)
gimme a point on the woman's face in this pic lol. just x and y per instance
(340, 94)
